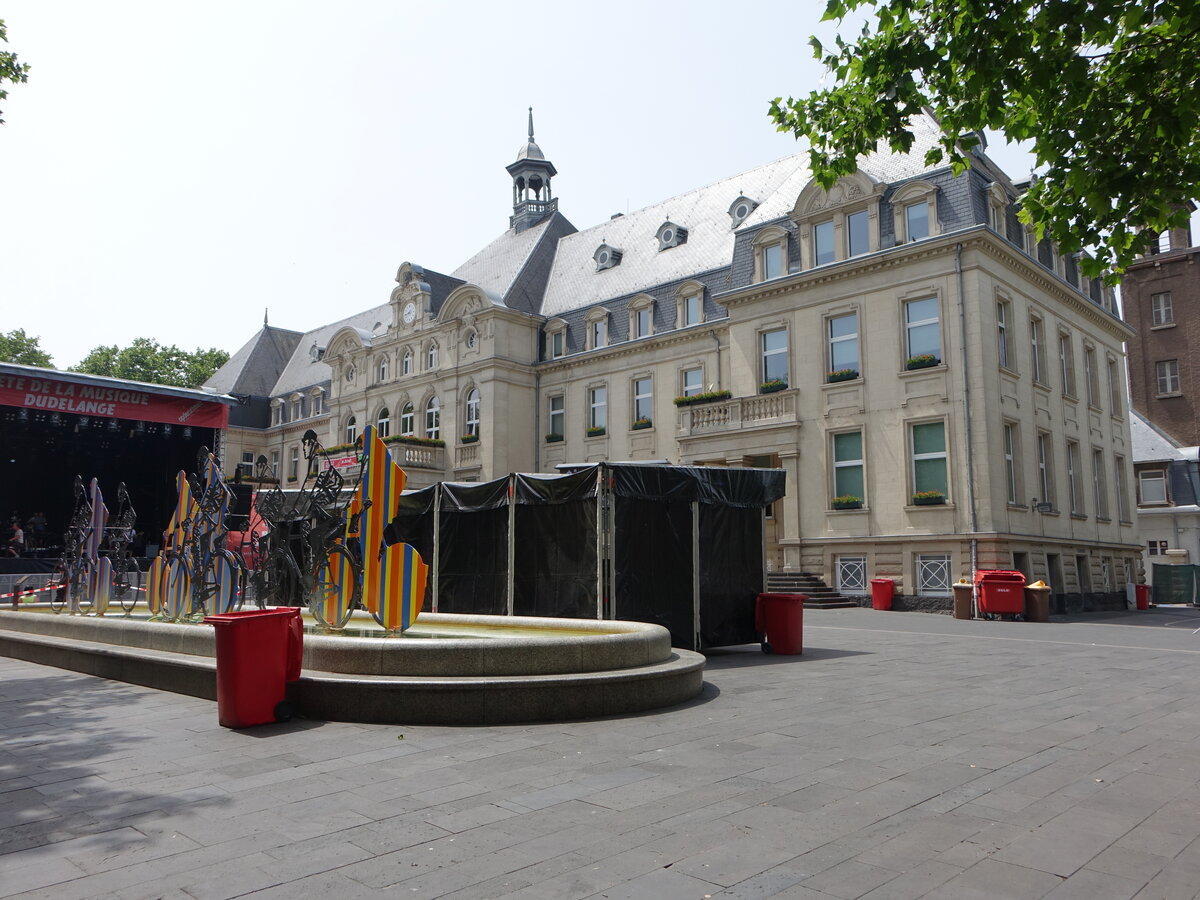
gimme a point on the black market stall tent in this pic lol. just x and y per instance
(679, 546)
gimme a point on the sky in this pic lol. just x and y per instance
(178, 170)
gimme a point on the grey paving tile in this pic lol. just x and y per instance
(1092, 885)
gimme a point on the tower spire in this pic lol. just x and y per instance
(531, 174)
(531, 124)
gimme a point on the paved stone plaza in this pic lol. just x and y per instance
(904, 755)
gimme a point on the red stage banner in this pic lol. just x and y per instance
(55, 395)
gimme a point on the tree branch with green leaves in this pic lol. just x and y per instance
(11, 69)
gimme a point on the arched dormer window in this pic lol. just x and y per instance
(471, 420)
(606, 257)
(840, 223)
(351, 430)
(556, 338)
(770, 253)
(670, 235)
(431, 355)
(914, 206)
(641, 316)
(383, 422)
(597, 328)
(406, 367)
(276, 411)
(407, 420)
(433, 418)
(689, 304)
(316, 402)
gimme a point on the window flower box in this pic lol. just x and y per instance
(707, 397)
(553, 438)
(292, 479)
(413, 439)
(469, 439)
(639, 424)
(924, 361)
(847, 501)
(597, 431)
(928, 498)
(841, 375)
(770, 387)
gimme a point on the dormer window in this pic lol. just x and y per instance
(740, 209)
(770, 253)
(641, 316)
(606, 257)
(297, 407)
(670, 235)
(317, 402)
(276, 412)
(316, 352)
(556, 338)
(914, 208)
(689, 304)
(597, 328)
(840, 223)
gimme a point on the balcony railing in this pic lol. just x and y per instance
(466, 456)
(418, 457)
(778, 408)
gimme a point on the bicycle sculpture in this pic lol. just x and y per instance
(308, 555)
(70, 578)
(119, 536)
(195, 574)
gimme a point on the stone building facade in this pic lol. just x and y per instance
(943, 392)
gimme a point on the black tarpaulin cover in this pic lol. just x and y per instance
(652, 554)
(730, 487)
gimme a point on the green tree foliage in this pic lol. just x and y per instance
(11, 69)
(1105, 91)
(18, 347)
(147, 360)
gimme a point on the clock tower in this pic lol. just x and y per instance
(531, 174)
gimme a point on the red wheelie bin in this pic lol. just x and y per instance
(1000, 592)
(258, 653)
(779, 619)
(882, 591)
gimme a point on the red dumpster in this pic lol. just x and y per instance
(1142, 592)
(1000, 592)
(258, 653)
(882, 590)
(779, 619)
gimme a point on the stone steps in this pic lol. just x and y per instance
(820, 595)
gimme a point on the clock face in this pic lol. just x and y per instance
(410, 313)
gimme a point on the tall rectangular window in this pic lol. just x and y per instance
(858, 240)
(643, 399)
(1152, 486)
(274, 463)
(557, 415)
(1074, 479)
(1167, 375)
(1037, 341)
(556, 344)
(1161, 309)
(823, 251)
(848, 465)
(1010, 462)
(599, 333)
(1045, 461)
(598, 407)
(1002, 333)
(641, 322)
(1114, 388)
(691, 310)
(923, 332)
(1092, 374)
(1099, 484)
(843, 342)
(774, 355)
(692, 382)
(772, 257)
(246, 466)
(318, 404)
(1066, 359)
(1122, 489)
(916, 221)
(929, 457)
(294, 464)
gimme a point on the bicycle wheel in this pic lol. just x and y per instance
(279, 582)
(127, 583)
(58, 594)
(221, 576)
(179, 587)
(337, 583)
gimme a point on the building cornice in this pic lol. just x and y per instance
(638, 345)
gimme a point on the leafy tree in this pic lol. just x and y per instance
(19, 347)
(147, 360)
(1105, 91)
(10, 68)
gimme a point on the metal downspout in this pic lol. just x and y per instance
(717, 341)
(966, 395)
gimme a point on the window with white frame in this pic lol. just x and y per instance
(383, 423)
(407, 366)
(1099, 484)
(858, 235)
(277, 412)
(852, 575)
(1161, 310)
(1106, 572)
(848, 478)
(641, 320)
(408, 426)
(770, 253)
(1091, 374)
(1114, 388)
(1066, 360)
(774, 350)
(557, 418)
(431, 356)
(1010, 463)
(916, 221)
(433, 418)
(471, 421)
(351, 430)
(922, 328)
(643, 399)
(246, 466)
(823, 246)
(843, 343)
(1074, 476)
(1045, 462)
(597, 328)
(598, 407)
(929, 472)
(297, 409)
(317, 402)
(1122, 489)
(382, 369)
(1037, 341)
(1002, 313)
(294, 465)
(693, 310)
(933, 574)
(1166, 373)
(692, 381)
(1152, 486)
(772, 261)
(275, 464)
(557, 344)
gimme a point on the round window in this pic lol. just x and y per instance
(603, 257)
(472, 340)
(742, 211)
(350, 374)
(668, 236)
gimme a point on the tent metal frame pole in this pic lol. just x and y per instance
(599, 542)
(437, 542)
(511, 560)
(611, 538)
(695, 575)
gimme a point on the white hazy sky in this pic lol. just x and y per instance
(172, 169)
